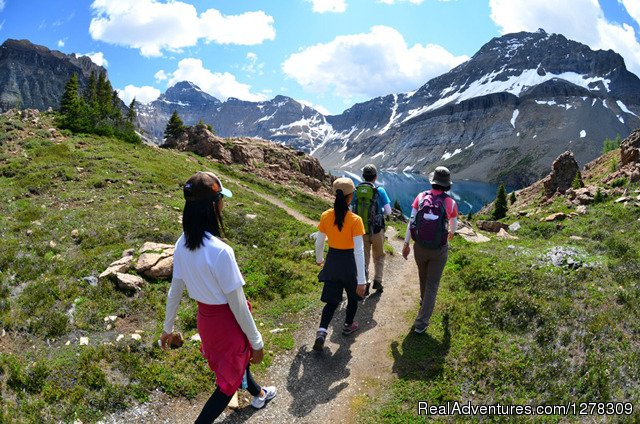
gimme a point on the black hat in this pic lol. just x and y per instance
(204, 186)
(369, 171)
(441, 176)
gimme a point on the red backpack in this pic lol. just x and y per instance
(429, 226)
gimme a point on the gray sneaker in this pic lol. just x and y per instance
(259, 402)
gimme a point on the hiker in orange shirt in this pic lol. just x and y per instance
(344, 267)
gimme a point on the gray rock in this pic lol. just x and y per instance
(128, 282)
(514, 227)
(91, 280)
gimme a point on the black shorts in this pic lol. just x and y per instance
(339, 273)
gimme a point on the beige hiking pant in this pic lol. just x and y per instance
(374, 243)
(431, 264)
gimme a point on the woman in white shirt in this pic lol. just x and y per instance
(206, 266)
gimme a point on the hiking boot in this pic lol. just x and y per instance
(366, 289)
(419, 330)
(349, 329)
(377, 286)
(319, 343)
(259, 402)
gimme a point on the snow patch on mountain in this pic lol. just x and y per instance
(448, 155)
(513, 117)
(624, 108)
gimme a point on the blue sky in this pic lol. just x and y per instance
(329, 54)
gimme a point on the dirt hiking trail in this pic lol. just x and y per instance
(316, 386)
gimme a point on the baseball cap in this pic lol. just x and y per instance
(203, 186)
(344, 184)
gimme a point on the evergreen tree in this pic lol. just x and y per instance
(104, 96)
(132, 116)
(577, 181)
(174, 127)
(500, 206)
(71, 106)
(512, 198)
(396, 205)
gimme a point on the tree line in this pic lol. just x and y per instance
(96, 110)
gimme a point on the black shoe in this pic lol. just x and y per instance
(319, 343)
(377, 286)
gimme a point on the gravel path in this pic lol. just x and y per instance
(317, 386)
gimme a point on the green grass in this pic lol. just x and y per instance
(115, 196)
(511, 328)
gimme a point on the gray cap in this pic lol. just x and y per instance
(441, 176)
(369, 170)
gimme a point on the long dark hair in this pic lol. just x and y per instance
(200, 216)
(340, 208)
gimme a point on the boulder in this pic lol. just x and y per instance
(514, 227)
(163, 269)
(563, 171)
(471, 236)
(155, 247)
(630, 149)
(122, 265)
(560, 216)
(491, 226)
(128, 282)
(504, 235)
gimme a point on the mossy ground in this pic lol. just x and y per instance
(511, 328)
(71, 207)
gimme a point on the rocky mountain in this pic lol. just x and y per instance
(504, 115)
(32, 76)
(281, 119)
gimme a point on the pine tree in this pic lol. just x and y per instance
(174, 127)
(577, 181)
(500, 206)
(71, 106)
(132, 116)
(512, 198)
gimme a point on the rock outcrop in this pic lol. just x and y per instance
(630, 149)
(563, 171)
(271, 161)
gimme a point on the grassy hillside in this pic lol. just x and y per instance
(72, 205)
(510, 327)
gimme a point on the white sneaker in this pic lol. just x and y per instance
(260, 401)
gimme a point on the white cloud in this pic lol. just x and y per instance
(160, 76)
(219, 85)
(323, 110)
(252, 66)
(97, 58)
(323, 6)
(144, 94)
(152, 26)
(369, 64)
(60, 43)
(633, 9)
(591, 28)
(2, 4)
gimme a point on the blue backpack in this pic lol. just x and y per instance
(429, 226)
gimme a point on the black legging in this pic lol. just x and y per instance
(330, 308)
(218, 401)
